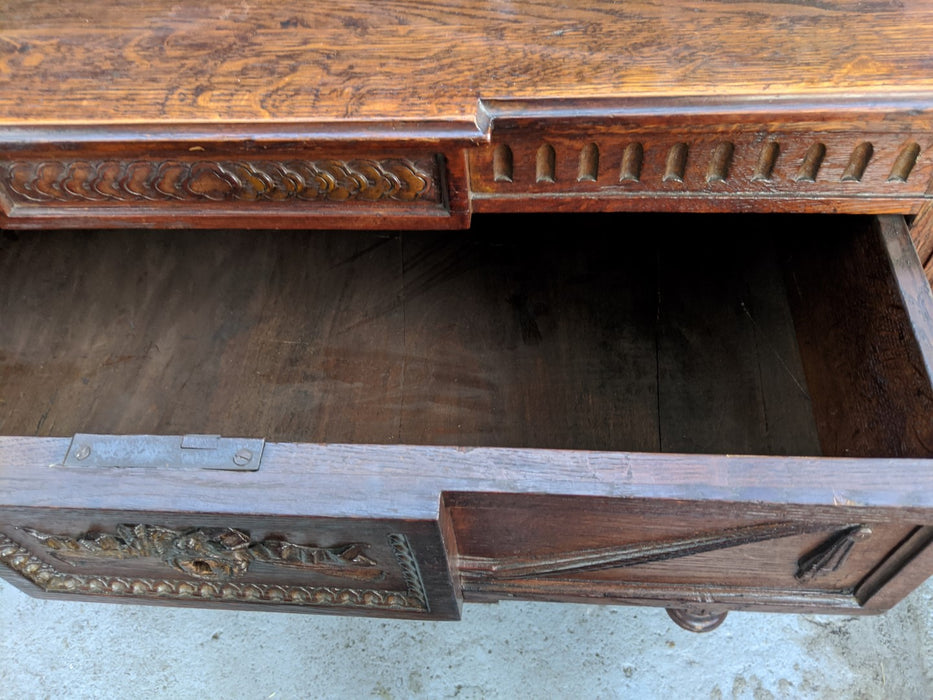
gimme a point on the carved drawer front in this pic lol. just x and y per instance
(752, 162)
(267, 187)
(263, 563)
(690, 555)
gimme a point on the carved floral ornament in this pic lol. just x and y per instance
(392, 179)
(218, 554)
(212, 560)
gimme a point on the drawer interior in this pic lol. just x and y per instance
(656, 333)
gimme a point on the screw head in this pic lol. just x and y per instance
(83, 452)
(242, 457)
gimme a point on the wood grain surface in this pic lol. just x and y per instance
(850, 314)
(489, 338)
(921, 232)
(159, 61)
(422, 374)
(493, 337)
(651, 333)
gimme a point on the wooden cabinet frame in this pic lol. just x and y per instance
(407, 118)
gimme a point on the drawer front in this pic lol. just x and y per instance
(229, 187)
(197, 529)
(410, 532)
(679, 555)
(647, 160)
(252, 563)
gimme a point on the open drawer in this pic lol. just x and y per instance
(703, 413)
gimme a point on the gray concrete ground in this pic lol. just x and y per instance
(51, 649)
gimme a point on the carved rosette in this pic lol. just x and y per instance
(216, 565)
(113, 181)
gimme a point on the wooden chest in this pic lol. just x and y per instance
(377, 309)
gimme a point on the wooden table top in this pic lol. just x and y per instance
(165, 62)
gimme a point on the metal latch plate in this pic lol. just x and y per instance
(165, 452)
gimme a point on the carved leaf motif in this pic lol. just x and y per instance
(211, 554)
(393, 179)
(832, 554)
(48, 578)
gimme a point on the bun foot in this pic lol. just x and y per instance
(697, 619)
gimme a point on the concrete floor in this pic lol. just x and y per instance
(51, 649)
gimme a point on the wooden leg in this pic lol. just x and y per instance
(697, 619)
(922, 234)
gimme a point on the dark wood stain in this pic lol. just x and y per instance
(856, 378)
(625, 341)
(422, 338)
(700, 412)
(729, 370)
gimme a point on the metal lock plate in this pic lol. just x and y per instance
(165, 452)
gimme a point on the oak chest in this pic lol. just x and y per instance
(381, 308)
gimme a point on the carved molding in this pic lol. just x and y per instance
(745, 161)
(832, 554)
(218, 554)
(112, 181)
(580, 561)
(52, 580)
